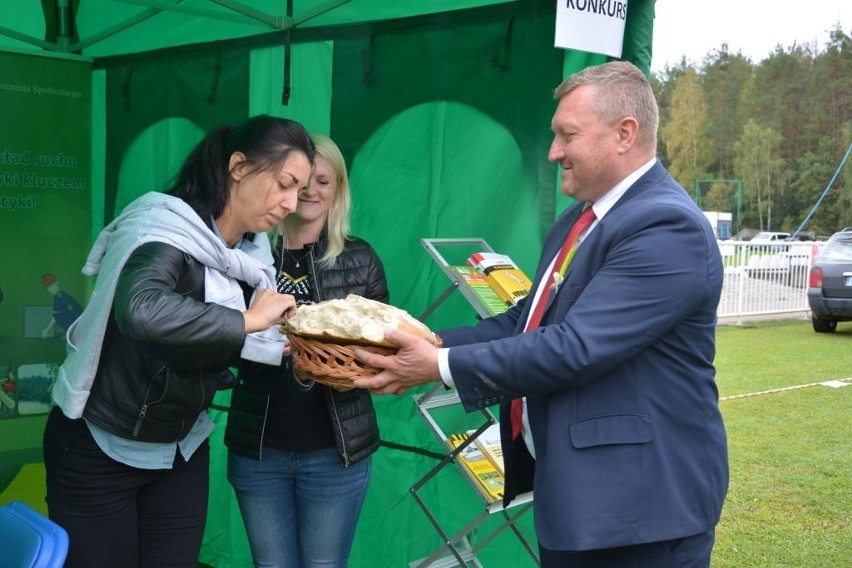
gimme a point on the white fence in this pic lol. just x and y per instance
(765, 279)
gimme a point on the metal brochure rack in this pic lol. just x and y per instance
(458, 545)
(458, 283)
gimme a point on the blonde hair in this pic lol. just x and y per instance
(337, 222)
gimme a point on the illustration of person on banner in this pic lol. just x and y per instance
(65, 308)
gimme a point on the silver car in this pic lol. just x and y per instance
(830, 283)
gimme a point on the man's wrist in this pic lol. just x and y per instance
(444, 367)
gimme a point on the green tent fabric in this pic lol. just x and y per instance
(476, 167)
(442, 108)
(204, 88)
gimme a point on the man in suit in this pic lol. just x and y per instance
(622, 438)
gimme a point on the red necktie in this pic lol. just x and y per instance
(566, 253)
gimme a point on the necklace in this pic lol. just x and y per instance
(298, 260)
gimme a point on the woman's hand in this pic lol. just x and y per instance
(267, 309)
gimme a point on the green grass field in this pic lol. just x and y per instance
(790, 497)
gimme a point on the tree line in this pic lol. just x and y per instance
(763, 140)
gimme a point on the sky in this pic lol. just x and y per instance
(694, 28)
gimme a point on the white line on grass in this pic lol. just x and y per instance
(836, 384)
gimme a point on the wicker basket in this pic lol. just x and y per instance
(330, 363)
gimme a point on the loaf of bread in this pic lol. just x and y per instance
(354, 320)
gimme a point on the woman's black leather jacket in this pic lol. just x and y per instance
(357, 270)
(165, 352)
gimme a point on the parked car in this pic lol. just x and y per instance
(786, 265)
(830, 283)
(770, 237)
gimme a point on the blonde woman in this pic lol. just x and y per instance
(299, 456)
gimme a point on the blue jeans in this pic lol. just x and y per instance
(299, 508)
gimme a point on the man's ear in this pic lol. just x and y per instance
(627, 129)
(237, 165)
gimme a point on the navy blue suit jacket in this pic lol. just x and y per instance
(623, 406)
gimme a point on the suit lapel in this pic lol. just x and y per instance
(557, 237)
(551, 248)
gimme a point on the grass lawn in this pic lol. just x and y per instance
(790, 496)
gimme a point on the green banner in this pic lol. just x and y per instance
(45, 215)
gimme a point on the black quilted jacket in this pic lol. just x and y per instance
(357, 270)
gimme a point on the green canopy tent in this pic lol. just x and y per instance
(442, 108)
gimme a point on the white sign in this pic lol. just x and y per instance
(591, 25)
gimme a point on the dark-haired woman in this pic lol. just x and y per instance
(182, 294)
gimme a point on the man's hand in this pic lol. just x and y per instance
(415, 364)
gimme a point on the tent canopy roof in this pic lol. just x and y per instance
(104, 28)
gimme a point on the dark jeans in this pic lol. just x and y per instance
(121, 516)
(689, 552)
